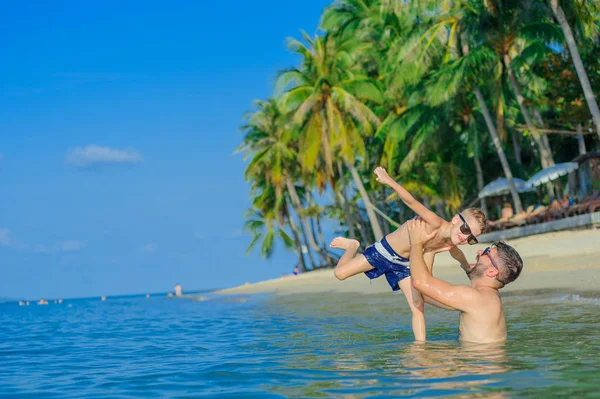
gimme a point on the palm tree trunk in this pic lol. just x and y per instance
(330, 259)
(440, 208)
(343, 196)
(495, 138)
(322, 248)
(383, 206)
(304, 242)
(350, 222)
(298, 242)
(326, 146)
(580, 140)
(545, 155)
(298, 208)
(583, 78)
(546, 144)
(540, 121)
(377, 232)
(499, 150)
(477, 161)
(364, 232)
(480, 184)
(516, 148)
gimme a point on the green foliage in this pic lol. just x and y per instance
(392, 83)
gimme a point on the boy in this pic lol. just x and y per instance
(390, 255)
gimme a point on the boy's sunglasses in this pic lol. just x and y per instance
(465, 229)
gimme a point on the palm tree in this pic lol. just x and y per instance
(274, 159)
(592, 10)
(506, 27)
(447, 32)
(326, 102)
(264, 227)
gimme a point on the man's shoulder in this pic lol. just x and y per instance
(488, 297)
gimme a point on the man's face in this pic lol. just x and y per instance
(482, 263)
(459, 234)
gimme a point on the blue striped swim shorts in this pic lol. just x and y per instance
(386, 261)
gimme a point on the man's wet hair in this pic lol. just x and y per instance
(511, 263)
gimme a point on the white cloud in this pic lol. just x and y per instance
(198, 235)
(236, 233)
(70, 246)
(150, 247)
(59, 247)
(4, 237)
(94, 154)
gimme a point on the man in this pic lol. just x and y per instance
(481, 314)
(389, 256)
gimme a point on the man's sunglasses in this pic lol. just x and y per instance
(465, 229)
(487, 253)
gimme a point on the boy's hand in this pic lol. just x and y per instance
(417, 232)
(382, 176)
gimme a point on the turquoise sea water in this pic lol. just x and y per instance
(314, 346)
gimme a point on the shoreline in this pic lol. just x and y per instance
(565, 260)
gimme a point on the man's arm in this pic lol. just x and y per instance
(428, 216)
(435, 303)
(457, 254)
(457, 297)
(428, 258)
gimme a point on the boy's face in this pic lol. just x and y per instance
(464, 229)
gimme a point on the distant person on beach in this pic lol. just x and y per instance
(296, 271)
(506, 213)
(177, 290)
(390, 256)
(481, 314)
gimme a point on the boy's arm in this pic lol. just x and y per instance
(457, 297)
(457, 254)
(428, 216)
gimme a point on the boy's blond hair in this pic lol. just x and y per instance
(479, 216)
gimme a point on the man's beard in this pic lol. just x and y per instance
(477, 271)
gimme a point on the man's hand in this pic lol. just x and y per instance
(417, 232)
(383, 177)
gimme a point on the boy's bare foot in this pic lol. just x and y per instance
(344, 243)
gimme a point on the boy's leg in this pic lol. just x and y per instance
(349, 265)
(417, 307)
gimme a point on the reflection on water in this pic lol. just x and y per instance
(322, 345)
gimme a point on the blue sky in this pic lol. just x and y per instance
(118, 123)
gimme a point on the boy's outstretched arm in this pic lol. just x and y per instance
(428, 216)
(457, 254)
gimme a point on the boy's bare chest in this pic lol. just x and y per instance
(400, 242)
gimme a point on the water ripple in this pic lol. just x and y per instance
(323, 345)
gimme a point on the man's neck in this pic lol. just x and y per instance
(484, 283)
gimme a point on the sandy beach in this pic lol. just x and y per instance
(568, 260)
